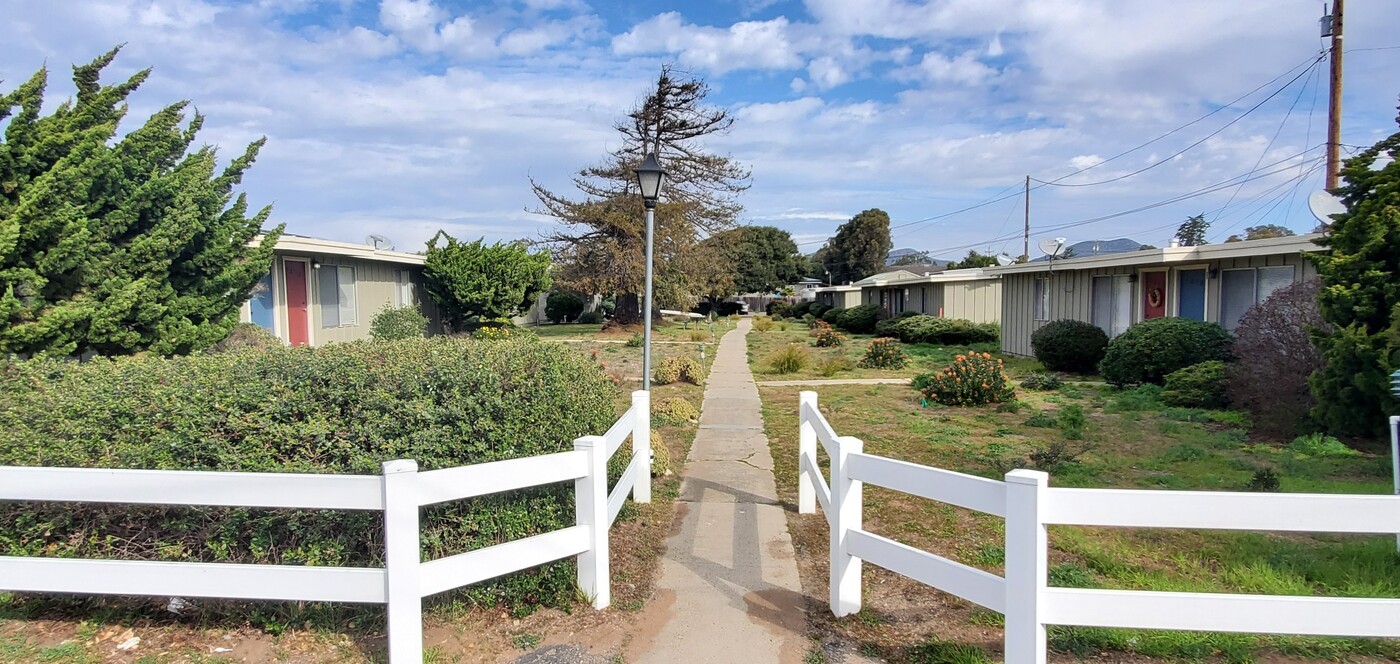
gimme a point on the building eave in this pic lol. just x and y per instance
(296, 244)
(1171, 255)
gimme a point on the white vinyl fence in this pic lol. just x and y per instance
(1029, 505)
(399, 492)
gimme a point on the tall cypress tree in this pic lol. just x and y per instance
(118, 245)
(860, 247)
(1360, 297)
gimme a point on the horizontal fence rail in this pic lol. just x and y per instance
(399, 492)
(1029, 506)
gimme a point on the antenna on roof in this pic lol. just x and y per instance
(1004, 259)
(379, 242)
(1323, 205)
(1053, 247)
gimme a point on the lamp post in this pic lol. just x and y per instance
(650, 175)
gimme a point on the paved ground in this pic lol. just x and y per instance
(729, 580)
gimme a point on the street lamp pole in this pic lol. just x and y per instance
(650, 174)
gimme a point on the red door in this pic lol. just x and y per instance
(1154, 295)
(298, 331)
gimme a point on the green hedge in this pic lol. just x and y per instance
(1069, 345)
(343, 408)
(1197, 386)
(861, 319)
(1148, 351)
(924, 329)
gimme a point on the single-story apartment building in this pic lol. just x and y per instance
(321, 291)
(970, 293)
(1213, 282)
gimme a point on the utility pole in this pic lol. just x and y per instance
(1334, 100)
(1026, 239)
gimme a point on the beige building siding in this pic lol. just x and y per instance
(978, 301)
(1071, 293)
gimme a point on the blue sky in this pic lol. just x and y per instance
(401, 117)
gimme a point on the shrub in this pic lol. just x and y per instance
(1197, 386)
(591, 317)
(833, 364)
(826, 336)
(340, 408)
(1320, 445)
(886, 328)
(762, 323)
(1275, 355)
(1142, 397)
(861, 319)
(392, 324)
(810, 320)
(1264, 480)
(1054, 457)
(497, 333)
(563, 306)
(818, 309)
(921, 381)
(1041, 381)
(908, 314)
(679, 368)
(660, 456)
(1069, 345)
(833, 317)
(800, 309)
(699, 335)
(1070, 420)
(1150, 350)
(637, 340)
(246, 336)
(1041, 420)
(972, 380)
(779, 308)
(884, 354)
(675, 411)
(791, 359)
(922, 329)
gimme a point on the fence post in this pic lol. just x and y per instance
(846, 497)
(591, 510)
(1027, 550)
(401, 560)
(1395, 461)
(641, 445)
(806, 447)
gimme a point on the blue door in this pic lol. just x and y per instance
(1191, 294)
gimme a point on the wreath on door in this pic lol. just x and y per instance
(1154, 298)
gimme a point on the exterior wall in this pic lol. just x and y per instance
(1071, 293)
(978, 301)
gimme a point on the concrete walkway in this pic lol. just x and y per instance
(729, 585)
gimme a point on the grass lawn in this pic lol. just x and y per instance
(1086, 436)
(822, 362)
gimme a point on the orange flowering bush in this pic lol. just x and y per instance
(826, 336)
(974, 379)
(884, 353)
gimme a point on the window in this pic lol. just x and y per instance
(1241, 289)
(337, 295)
(403, 292)
(1112, 304)
(1041, 297)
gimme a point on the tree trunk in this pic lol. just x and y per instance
(629, 309)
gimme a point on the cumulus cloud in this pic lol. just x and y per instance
(743, 45)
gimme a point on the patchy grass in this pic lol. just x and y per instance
(923, 358)
(1096, 437)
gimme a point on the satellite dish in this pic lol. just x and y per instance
(1323, 205)
(1003, 259)
(379, 242)
(1053, 247)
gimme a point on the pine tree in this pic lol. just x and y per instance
(1360, 297)
(601, 245)
(474, 283)
(860, 247)
(115, 246)
(1192, 232)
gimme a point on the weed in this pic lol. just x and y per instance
(1070, 575)
(636, 341)
(1186, 414)
(1041, 420)
(1041, 381)
(1142, 397)
(937, 651)
(815, 655)
(987, 618)
(699, 335)
(790, 359)
(1009, 407)
(526, 641)
(833, 364)
(991, 555)
(1054, 457)
(1071, 421)
(1184, 452)
(1232, 417)
(1320, 445)
(762, 324)
(1264, 480)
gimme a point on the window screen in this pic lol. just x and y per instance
(346, 295)
(1103, 304)
(1112, 304)
(336, 292)
(1272, 279)
(1236, 296)
(1042, 299)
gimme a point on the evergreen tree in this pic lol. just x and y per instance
(763, 259)
(474, 284)
(1360, 297)
(1261, 232)
(118, 245)
(860, 247)
(974, 259)
(600, 246)
(1192, 232)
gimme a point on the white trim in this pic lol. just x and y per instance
(1172, 255)
(311, 245)
(1175, 278)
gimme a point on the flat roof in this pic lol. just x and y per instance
(310, 245)
(1292, 244)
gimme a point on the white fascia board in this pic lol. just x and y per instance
(1171, 255)
(307, 245)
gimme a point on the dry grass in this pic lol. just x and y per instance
(922, 357)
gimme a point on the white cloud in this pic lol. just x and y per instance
(743, 45)
(827, 73)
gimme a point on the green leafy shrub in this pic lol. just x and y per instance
(1070, 420)
(1042, 381)
(1320, 445)
(637, 340)
(1197, 386)
(791, 359)
(922, 329)
(342, 408)
(800, 309)
(246, 336)
(678, 368)
(563, 306)
(497, 333)
(1265, 480)
(779, 308)
(908, 314)
(818, 309)
(1142, 397)
(1041, 420)
(1148, 351)
(591, 317)
(886, 328)
(762, 323)
(675, 411)
(971, 380)
(699, 335)
(660, 456)
(826, 336)
(833, 317)
(861, 319)
(1069, 345)
(884, 354)
(810, 320)
(833, 364)
(922, 381)
(394, 323)
(1054, 457)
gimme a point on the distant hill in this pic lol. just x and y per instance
(896, 254)
(1096, 248)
